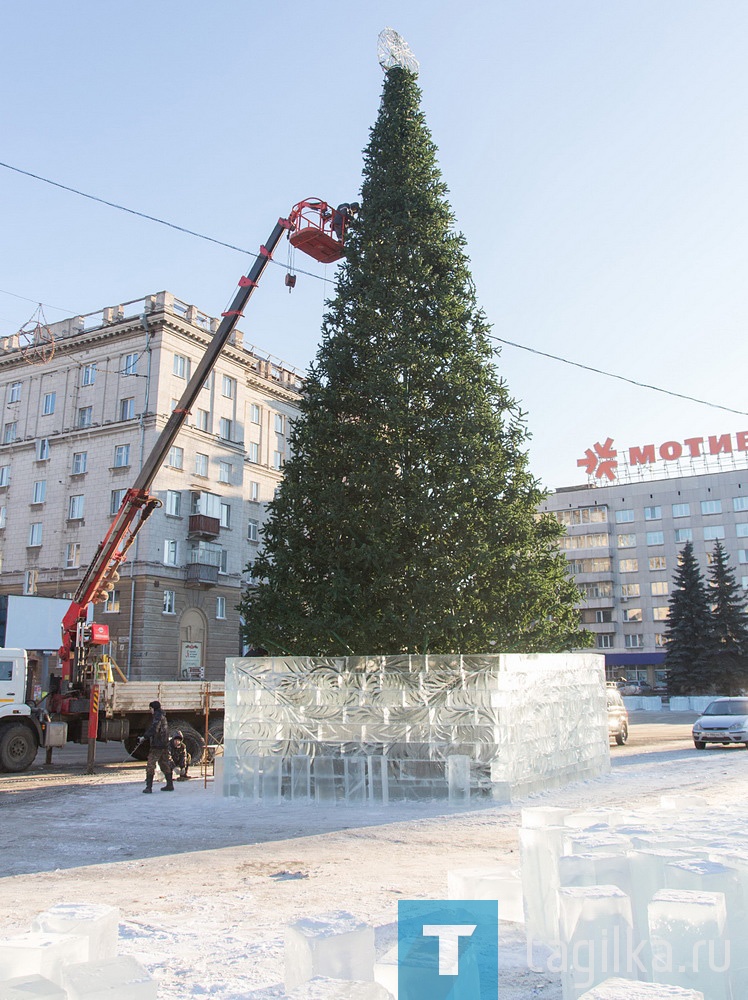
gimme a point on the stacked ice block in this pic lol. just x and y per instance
(70, 953)
(334, 945)
(640, 898)
(379, 729)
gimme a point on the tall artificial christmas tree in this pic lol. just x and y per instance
(730, 626)
(689, 636)
(407, 519)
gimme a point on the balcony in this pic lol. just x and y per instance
(202, 526)
(200, 575)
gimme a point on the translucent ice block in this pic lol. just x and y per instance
(95, 921)
(31, 988)
(501, 883)
(687, 936)
(712, 876)
(272, 778)
(321, 988)
(595, 935)
(334, 945)
(377, 774)
(540, 848)
(41, 953)
(323, 779)
(300, 777)
(121, 978)
(536, 816)
(624, 989)
(385, 971)
(595, 869)
(458, 778)
(354, 779)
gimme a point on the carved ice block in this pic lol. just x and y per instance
(377, 772)
(301, 786)
(334, 945)
(323, 778)
(121, 978)
(687, 936)
(41, 953)
(458, 778)
(595, 934)
(624, 989)
(321, 988)
(354, 779)
(95, 921)
(540, 849)
(501, 883)
(31, 988)
(272, 778)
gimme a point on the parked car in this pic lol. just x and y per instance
(618, 717)
(724, 721)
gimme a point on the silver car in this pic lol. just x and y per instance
(724, 721)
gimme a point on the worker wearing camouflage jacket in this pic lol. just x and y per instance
(180, 758)
(158, 734)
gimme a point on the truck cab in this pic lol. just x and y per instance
(13, 672)
(21, 730)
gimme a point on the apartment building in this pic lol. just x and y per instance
(83, 403)
(622, 544)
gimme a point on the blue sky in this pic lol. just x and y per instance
(596, 153)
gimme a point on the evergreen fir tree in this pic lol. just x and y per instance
(730, 625)
(407, 518)
(689, 636)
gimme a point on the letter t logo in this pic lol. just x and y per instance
(449, 943)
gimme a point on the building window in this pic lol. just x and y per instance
(201, 464)
(39, 492)
(75, 507)
(684, 534)
(181, 366)
(630, 590)
(657, 562)
(253, 452)
(713, 531)
(254, 416)
(223, 565)
(605, 640)
(170, 602)
(601, 588)
(85, 416)
(628, 566)
(4, 475)
(121, 456)
(48, 404)
(624, 541)
(3, 516)
(202, 420)
(14, 396)
(623, 516)
(659, 588)
(711, 506)
(9, 432)
(130, 365)
(35, 533)
(170, 552)
(224, 472)
(577, 566)
(112, 602)
(254, 491)
(173, 503)
(739, 503)
(660, 640)
(632, 614)
(228, 387)
(176, 457)
(73, 555)
(635, 641)
(253, 530)
(279, 461)
(655, 538)
(741, 530)
(127, 408)
(88, 376)
(224, 429)
(205, 503)
(115, 501)
(681, 510)
(660, 614)
(652, 513)
(30, 582)
(743, 555)
(80, 461)
(220, 607)
(173, 405)
(225, 515)
(280, 424)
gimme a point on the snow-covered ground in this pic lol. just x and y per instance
(205, 886)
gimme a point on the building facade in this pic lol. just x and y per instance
(622, 543)
(83, 403)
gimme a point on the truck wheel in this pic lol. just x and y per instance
(137, 752)
(215, 734)
(18, 746)
(194, 741)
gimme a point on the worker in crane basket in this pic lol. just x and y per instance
(180, 757)
(158, 734)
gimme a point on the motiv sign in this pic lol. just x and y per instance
(602, 460)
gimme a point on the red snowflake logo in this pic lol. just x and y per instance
(601, 460)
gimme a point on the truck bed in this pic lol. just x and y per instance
(118, 698)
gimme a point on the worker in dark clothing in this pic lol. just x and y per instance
(180, 758)
(341, 216)
(158, 734)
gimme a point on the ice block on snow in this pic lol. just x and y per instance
(624, 989)
(385, 971)
(501, 883)
(95, 921)
(122, 978)
(31, 988)
(321, 988)
(595, 933)
(458, 778)
(540, 848)
(334, 945)
(687, 935)
(41, 953)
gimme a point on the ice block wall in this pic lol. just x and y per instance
(524, 723)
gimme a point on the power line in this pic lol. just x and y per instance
(68, 312)
(621, 378)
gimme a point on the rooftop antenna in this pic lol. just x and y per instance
(36, 340)
(393, 51)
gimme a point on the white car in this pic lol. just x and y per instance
(724, 721)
